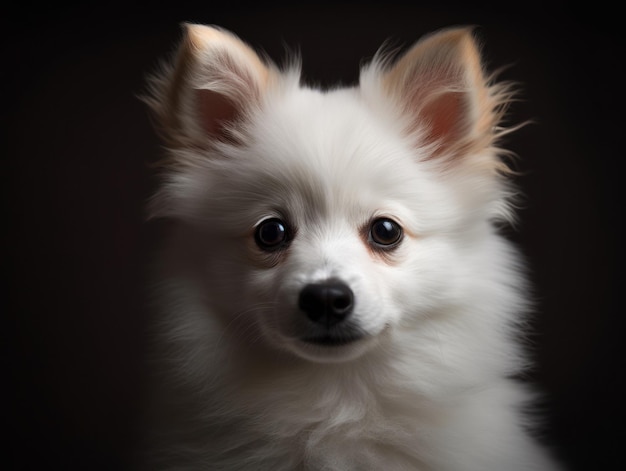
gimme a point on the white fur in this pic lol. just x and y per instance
(429, 389)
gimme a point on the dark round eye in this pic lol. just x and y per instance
(385, 232)
(271, 234)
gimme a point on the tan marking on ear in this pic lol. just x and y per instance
(202, 37)
(213, 81)
(441, 85)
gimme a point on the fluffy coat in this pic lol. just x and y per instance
(424, 379)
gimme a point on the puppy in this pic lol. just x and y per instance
(333, 290)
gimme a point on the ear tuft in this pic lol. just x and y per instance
(215, 80)
(442, 92)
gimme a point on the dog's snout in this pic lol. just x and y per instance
(327, 303)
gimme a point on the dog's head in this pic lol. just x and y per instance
(324, 221)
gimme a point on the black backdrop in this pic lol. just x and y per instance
(76, 150)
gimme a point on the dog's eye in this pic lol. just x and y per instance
(271, 234)
(385, 233)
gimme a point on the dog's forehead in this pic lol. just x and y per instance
(323, 148)
(332, 141)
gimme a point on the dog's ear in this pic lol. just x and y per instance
(215, 80)
(443, 93)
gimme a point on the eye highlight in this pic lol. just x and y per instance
(385, 233)
(272, 234)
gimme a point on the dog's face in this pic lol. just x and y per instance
(322, 234)
(328, 220)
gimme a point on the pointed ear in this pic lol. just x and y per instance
(442, 91)
(215, 80)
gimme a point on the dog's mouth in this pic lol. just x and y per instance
(332, 340)
(336, 346)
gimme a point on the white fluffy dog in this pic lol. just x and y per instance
(334, 292)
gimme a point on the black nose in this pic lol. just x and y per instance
(327, 303)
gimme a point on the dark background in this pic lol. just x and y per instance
(76, 149)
